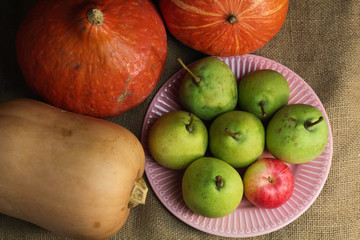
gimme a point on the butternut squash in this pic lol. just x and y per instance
(68, 173)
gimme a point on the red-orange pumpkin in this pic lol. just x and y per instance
(99, 58)
(224, 27)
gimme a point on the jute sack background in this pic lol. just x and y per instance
(320, 42)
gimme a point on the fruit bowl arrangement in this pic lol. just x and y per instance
(236, 145)
(247, 219)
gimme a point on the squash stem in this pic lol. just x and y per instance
(138, 194)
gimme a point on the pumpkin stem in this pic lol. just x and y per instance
(138, 194)
(232, 19)
(95, 16)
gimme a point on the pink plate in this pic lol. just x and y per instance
(247, 220)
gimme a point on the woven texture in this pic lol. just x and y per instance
(320, 42)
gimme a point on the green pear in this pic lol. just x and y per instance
(209, 88)
(263, 92)
(177, 138)
(211, 187)
(237, 137)
(297, 133)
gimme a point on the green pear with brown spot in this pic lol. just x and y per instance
(297, 133)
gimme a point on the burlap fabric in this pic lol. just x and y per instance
(320, 42)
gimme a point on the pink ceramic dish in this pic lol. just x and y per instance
(247, 220)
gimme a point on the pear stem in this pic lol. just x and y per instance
(219, 182)
(308, 124)
(262, 103)
(233, 135)
(190, 126)
(196, 78)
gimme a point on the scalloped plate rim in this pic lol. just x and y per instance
(244, 234)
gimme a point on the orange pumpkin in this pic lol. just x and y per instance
(224, 27)
(99, 58)
(68, 173)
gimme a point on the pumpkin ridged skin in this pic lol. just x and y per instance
(98, 70)
(205, 25)
(68, 173)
